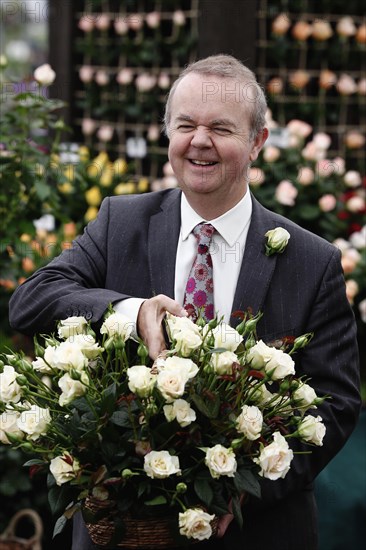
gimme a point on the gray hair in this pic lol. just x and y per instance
(225, 66)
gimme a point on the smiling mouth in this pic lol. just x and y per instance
(202, 162)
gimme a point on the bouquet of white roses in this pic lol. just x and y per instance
(186, 435)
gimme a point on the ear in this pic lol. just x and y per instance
(258, 143)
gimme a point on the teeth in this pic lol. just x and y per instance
(202, 162)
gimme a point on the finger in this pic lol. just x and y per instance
(223, 524)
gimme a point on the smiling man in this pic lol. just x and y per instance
(203, 247)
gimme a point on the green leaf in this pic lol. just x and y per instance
(59, 526)
(42, 189)
(60, 498)
(34, 462)
(208, 407)
(109, 396)
(203, 490)
(156, 501)
(121, 418)
(245, 481)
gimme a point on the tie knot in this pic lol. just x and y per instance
(203, 232)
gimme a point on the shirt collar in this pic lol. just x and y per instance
(230, 225)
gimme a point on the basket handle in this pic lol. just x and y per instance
(36, 538)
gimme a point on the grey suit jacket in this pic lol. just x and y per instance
(130, 250)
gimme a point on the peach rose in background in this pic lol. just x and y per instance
(301, 31)
(346, 85)
(299, 79)
(86, 73)
(271, 153)
(305, 176)
(286, 193)
(321, 30)
(275, 85)
(281, 24)
(327, 203)
(352, 289)
(102, 22)
(350, 259)
(327, 79)
(256, 176)
(299, 128)
(346, 27)
(361, 34)
(352, 178)
(354, 139)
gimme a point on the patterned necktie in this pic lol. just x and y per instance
(199, 287)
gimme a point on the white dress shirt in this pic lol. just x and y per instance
(227, 249)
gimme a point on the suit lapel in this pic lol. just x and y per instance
(162, 244)
(257, 268)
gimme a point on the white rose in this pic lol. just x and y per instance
(8, 425)
(34, 421)
(277, 239)
(71, 326)
(194, 523)
(141, 380)
(161, 464)
(49, 354)
(222, 363)
(178, 324)
(186, 342)
(10, 391)
(185, 366)
(181, 411)
(305, 396)
(64, 468)
(249, 422)
(68, 356)
(171, 383)
(40, 365)
(221, 461)
(282, 363)
(118, 325)
(259, 355)
(71, 389)
(226, 337)
(312, 429)
(87, 344)
(44, 75)
(275, 459)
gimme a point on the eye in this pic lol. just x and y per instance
(185, 127)
(221, 130)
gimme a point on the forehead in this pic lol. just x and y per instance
(199, 94)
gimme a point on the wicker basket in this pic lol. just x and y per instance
(10, 541)
(144, 534)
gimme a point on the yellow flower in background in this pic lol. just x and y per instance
(93, 196)
(65, 188)
(25, 238)
(143, 185)
(96, 165)
(120, 167)
(69, 172)
(18, 173)
(55, 159)
(84, 153)
(91, 213)
(125, 188)
(39, 169)
(107, 175)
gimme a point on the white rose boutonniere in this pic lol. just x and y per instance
(277, 240)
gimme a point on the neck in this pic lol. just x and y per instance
(211, 208)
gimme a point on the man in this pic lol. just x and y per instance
(139, 252)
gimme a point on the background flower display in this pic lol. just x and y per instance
(197, 428)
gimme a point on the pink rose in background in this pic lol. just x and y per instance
(275, 85)
(358, 239)
(86, 73)
(312, 152)
(163, 81)
(105, 132)
(354, 139)
(321, 30)
(361, 86)
(356, 204)
(299, 79)
(346, 85)
(346, 27)
(352, 178)
(121, 26)
(153, 19)
(88, 126)
(102, 22)
(125, 76)
(153, 132)
(271, 153)
(340, 165)
(135, 21)
(325, 168)
(301, 31)
(305, 175)
(327, 79)
(101, 77)
(286, 193)
(256, 176)
(86, 23)
(327, 203)
(350, 259)
(299, 128)
(351, 290)
(145, 82)
(281, 24)
(322, 140)
(179, 18)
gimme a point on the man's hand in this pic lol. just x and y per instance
(149, 321)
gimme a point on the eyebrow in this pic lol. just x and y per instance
(215, 122)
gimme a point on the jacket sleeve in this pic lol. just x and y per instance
(331, 362)
(71, 284)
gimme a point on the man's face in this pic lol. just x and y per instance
(209, 148)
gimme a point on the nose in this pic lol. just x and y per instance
(201, 138)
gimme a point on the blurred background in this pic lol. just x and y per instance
(93, 128)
